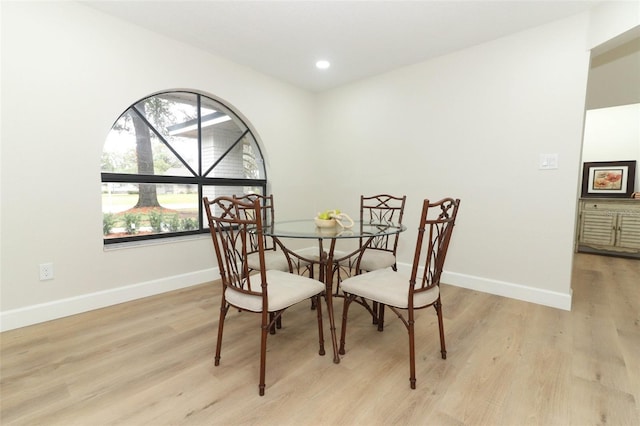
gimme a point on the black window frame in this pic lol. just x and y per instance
(198, 179)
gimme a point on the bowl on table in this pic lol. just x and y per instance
(324, 223)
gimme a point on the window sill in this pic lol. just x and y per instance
(155, 242)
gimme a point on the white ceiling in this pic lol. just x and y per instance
(360, 38)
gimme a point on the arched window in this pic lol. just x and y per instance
(163, 155)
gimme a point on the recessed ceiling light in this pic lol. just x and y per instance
(323, 65)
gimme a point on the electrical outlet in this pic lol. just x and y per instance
(46, 271)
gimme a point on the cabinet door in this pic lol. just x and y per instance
(629, 231)
(597, 228)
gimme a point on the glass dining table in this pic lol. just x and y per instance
(326, 255)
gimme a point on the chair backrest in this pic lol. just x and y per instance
(268, 217)
(230, 221)
(383, 209)
(434, 233)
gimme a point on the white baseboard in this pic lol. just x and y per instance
(35, 314)
(55, 309)
(501, 288)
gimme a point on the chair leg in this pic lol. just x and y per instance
(320, 327)
(263, 351)
(277, 324)
(412, 350)
(443, 349)
(311, 275)
(338, 278)
(311, 272)
(343, 333)
(380, 316)
(223, 313)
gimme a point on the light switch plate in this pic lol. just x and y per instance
(548, 161)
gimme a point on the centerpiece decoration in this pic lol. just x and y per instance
(331, 218)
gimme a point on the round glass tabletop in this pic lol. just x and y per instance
(307, 229)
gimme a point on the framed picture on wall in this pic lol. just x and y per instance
(608, 179)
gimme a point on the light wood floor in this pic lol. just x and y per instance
(150, 362)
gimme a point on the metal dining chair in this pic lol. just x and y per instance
(268, 292)
(401, 292)
(381, 251)
(381, 209)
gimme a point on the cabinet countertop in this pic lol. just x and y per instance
(611, 200)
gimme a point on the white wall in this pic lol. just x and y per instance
(613, 134)
(68, 72)
(471, 124)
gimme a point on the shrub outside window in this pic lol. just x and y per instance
(163, 155)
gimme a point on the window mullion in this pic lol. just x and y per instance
(200, 188)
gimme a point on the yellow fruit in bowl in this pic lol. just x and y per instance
(328, 214)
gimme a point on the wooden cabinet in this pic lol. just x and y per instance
(610, 226)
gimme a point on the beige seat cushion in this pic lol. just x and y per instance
(284, 290)
(273, 259)
(389, 287)
(310, 253)
(373, 260)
